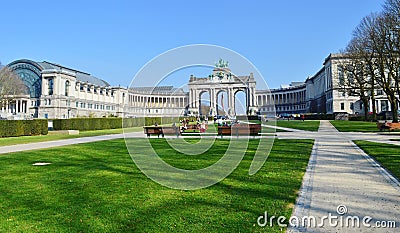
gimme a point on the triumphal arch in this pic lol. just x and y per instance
(222, 80)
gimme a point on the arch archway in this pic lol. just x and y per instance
(30, 73)
(240, 106)
(222, 103)
(204, 103)
(223, 80)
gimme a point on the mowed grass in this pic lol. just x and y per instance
(95, 187)
(52, 137)
(386, 154)
(355, 126)
(310, 125)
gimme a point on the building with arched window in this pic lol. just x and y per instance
(55, 91)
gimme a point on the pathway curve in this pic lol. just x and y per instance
(64, 142)
(341, 174)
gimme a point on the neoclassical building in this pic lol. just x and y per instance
(55, 91)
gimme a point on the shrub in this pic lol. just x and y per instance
(15, 128)
(84, 124)
(319, 116)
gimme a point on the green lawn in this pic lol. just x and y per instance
(355, 126)
(310, 125)
(42, 138)
(95, 187)
(386, 154)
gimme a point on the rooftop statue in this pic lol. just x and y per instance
(221, 63)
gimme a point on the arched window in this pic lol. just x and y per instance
(67, 84)
(51, 86)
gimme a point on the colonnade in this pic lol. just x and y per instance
(15, 106)
(281, 98)
(157, 101)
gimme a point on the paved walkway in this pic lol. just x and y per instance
(64, 142)
(340, 174)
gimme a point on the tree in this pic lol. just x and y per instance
(392, 20)
(10, 86)
(359, 66)
(362, 47)
(375, 41)
(387, 60)
(352, 70)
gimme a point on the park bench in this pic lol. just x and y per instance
(191, 127)
(387, 126)
(161, 130)
(240, 130)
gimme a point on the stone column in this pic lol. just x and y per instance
(196, 99)
(255, 100)
(215, 101)
(251, 100)
(191, 98)
(229, 96)
(233, 102)
(378, 106)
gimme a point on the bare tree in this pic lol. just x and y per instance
(386, 60)
(10, 86)
(375, 41)
(352, 76)
(359, 65)
(362, 47)
(392, 22)
(392, 7)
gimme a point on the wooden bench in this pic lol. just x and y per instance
(389, 126)
(191, 127)
(161, 130)
(240, 130)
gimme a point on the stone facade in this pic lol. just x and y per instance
(222, 80)
(60, 92)
(56, 91)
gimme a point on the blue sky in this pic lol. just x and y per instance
(286, 40)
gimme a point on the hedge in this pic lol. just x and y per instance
(362, 118)
(15, 128)
(84, 124)
(319, 116)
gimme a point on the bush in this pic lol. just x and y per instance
(319, 117)
(15, 128)
(84, 124)
(357, 118)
